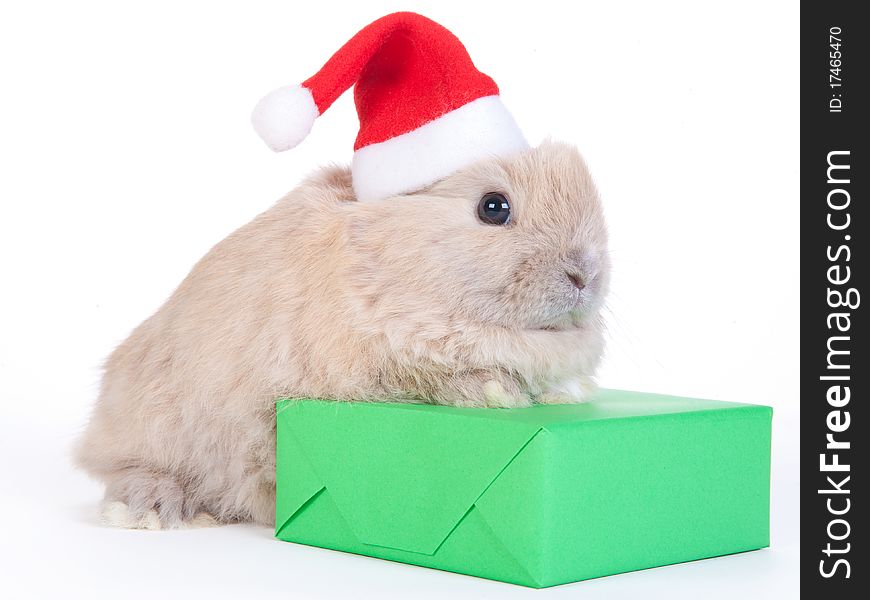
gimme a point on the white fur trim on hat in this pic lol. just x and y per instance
(481, 129)
(285, 116)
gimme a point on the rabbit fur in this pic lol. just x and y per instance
(409, 299)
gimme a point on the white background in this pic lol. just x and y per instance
(126, 152)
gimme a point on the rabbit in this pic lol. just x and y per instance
(425, 297)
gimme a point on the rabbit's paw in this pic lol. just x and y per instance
(574, 390)
(118, 514)
(482, 389)
(138, 498)
(498, 395)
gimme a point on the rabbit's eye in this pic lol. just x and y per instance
(494, 209)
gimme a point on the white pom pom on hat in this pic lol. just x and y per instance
(284, 117)
(425, 111)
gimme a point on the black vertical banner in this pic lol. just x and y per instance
(835, 365)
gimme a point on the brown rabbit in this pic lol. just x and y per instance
(417, 298)
(450, 264)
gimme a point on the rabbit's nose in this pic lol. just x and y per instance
(576, 280)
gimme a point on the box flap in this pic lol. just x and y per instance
(407, 501)
(293, 466)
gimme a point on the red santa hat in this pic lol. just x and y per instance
(425, 111)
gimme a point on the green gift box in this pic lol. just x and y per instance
(534, 496)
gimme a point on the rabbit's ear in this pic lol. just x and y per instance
(331, 184)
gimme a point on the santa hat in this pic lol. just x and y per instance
(425, 111)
